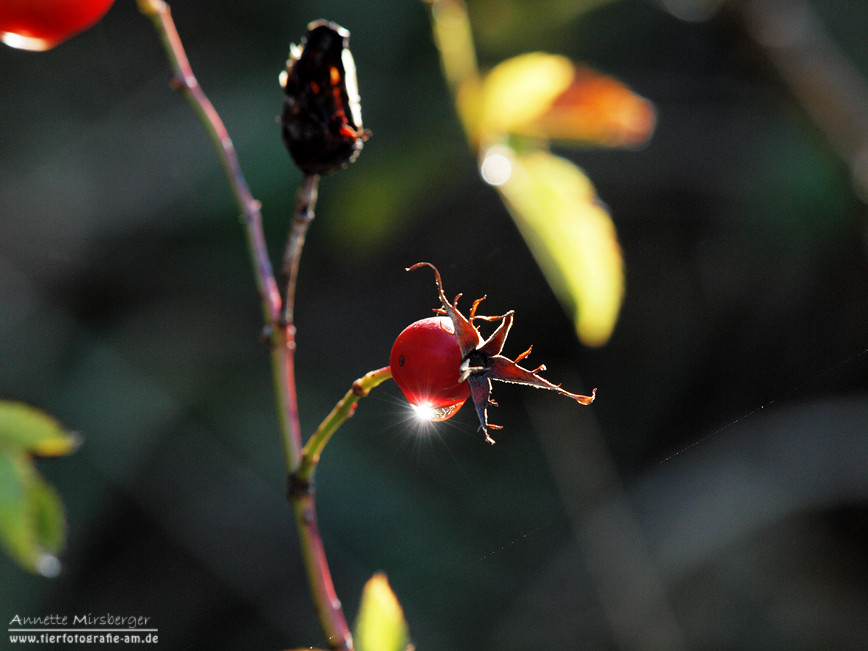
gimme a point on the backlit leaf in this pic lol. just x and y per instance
(511, 94)
(548, 97)
(32, 524)
(596, 109)
(33, 430)
(32, 528)
(516, 92)
(47, 511)
(570, 234)
(380, 625)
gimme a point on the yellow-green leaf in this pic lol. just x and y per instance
(32, 527)
(380, 625)
(34, 431)
(47, 511)
(517, 91)
(548, 97)
(570, 234)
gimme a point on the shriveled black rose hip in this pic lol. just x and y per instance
(322, 120)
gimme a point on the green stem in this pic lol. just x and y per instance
(454, 39)
(342, 411)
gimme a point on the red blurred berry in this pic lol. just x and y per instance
(41, 24)
(425, 362)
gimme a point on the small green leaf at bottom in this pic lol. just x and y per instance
(32, 526)
(380, 625)
(34, 431)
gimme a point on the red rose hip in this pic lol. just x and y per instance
(440, 360)
(425, 362)
(41, 24)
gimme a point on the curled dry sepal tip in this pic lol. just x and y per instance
(322, 117)
(439, 362)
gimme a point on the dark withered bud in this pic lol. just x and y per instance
(322, 118)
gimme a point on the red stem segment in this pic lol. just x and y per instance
(328, 606)
(284, 346)
(301, 492)
(185, 82)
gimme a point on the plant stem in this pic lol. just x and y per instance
(303, 214)
(325, 599)
(305, 203)
(342, 411)
(279, 326)
(454, 39)
(301, 494)
(185, 82)
(278, 313)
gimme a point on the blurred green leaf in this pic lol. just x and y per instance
(548, 97)
(528, 101)
(34, 431)
(516, 92)
(570, 234)
(507, 25)
(47, 510)
(32, 527)
(380, 625)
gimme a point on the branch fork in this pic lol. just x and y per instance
(279, 329)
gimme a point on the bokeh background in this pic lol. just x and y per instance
(713, 497)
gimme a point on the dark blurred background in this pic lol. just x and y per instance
(713, 497)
